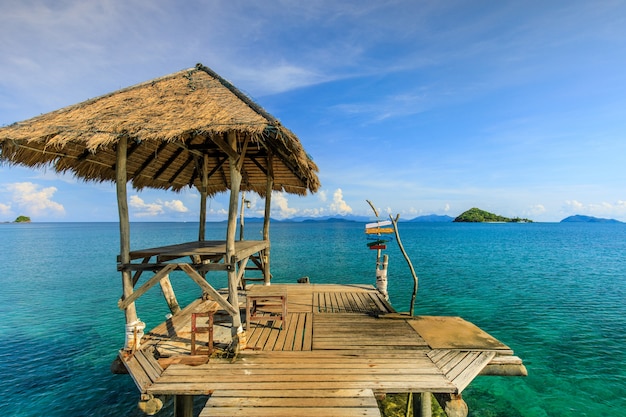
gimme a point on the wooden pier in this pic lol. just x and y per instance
(340, 346)
(324, 349)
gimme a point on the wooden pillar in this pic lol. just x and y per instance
(266, 220)
(235, 184)
(168, 293)
(183, 406)
(422, 404)
(122, 205)
(203, 196)
(452, 404)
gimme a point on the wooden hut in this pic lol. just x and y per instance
(194, 129)
(188, 129)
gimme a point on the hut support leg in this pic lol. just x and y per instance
(122, 206)
(265, 260)
(233, 296)
(183, 406)
(452, 404)
(168, 293)
(422, 404)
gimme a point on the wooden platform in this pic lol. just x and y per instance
(340, 345)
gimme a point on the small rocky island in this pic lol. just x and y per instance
(476, 215)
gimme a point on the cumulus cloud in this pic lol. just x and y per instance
(280, 201)
(339, 206)
(34, 200)
(176, 205)
(602, 209)
(143, 209)
(5, 209)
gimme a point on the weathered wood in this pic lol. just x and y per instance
(206, 287)
(124, 303)
(169, 295)
(183, 406)
(266, 219)
(235, 183)
(505, 366)
(122, 205)
(452, 404)
(203, 196)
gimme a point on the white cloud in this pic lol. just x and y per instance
(322, 195)
(33, 200)
(144, 209)
(176, 205)
(5, 209)
(279, 200)
(339, 206)
(602, 209)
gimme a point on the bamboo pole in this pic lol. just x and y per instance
(122, 205)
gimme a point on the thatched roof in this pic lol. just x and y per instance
(171, 123)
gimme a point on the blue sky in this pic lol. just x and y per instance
(423, 107)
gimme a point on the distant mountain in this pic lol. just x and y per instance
(578, 218)
(432, 218)
(476, 215)
(328, 219)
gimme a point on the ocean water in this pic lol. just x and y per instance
(555, 293)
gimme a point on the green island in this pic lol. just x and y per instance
(476, 215)
(22, 219)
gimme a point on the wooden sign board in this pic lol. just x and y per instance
(379, 230)
(378, 224)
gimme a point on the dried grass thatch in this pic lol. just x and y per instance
(172, 123)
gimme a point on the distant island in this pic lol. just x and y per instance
(578, 218)
(476, 215)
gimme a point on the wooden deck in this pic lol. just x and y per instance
(339, 346)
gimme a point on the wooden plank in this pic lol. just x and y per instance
(471, 370)
(289, 412)
(307, 339)
(149, 364)
(455, 333)
(136, 372)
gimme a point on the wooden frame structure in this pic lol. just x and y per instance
(195, 129)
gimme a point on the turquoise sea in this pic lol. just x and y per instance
(554, 292)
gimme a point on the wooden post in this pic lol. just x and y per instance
(235, 184)
(452, 404)
(203, 197)
(266, 219)
(122, 205)
(168, 293)
(183, 406)
(422, 405)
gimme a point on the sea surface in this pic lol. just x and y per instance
(554, 292)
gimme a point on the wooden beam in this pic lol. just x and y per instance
(122, 205)
(149, 160)
(127, 300)
(206, 287)
(168, 293)
(167, 163)
(182, 168)
(227, 148)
